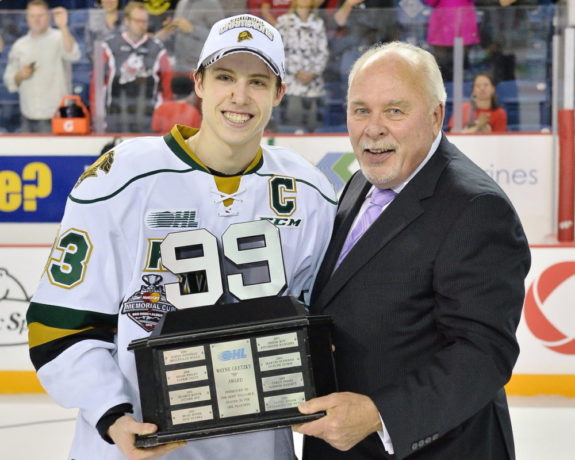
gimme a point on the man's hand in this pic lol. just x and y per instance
(350, 418)
(60, 15)
(303, 76)
(183, 25)
(123, 432)
(25, 72)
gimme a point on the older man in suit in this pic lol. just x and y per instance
(427, 298)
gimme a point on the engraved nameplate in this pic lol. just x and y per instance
(277, 342)
(284, 401)
(184, 355)
(234, 378)
(187, 375)
(282, 382)
(194, 414)
(189, 395)
(270, 363)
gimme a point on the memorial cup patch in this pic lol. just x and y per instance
(147, 306)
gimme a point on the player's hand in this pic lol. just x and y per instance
(60, 15)
(350, 417)
(123, 432)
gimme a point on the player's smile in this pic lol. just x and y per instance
(237, 118)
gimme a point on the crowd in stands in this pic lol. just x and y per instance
(131, 61)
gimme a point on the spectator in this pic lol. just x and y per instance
(39, 66)
(450, 19)
(102, 23)
(137, 73)
(359, 24)
(234, 7)
(160, 11)
(270, 10)
(190, 26)
(483, 114)
(181, 110)
(305, 41)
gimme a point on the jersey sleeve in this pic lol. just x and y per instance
(73, 315)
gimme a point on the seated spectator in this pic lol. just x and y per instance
(234, 7)
(358, 24)
(102, 23)
(483, 114)
(181, 110)
(137, 74)
(39, 66)
(269, 10)
(189, 27)
(305, 41)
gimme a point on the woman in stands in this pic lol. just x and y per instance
(483, 114)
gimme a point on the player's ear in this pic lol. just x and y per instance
(198, 83)
(279, 94)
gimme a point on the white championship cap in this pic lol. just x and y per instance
(244, 34)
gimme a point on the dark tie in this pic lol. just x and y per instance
(379, 198)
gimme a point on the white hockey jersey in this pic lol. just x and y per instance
(107, 280)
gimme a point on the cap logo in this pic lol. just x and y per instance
(245, 35)
(249, 22)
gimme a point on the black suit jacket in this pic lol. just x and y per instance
(425, 308)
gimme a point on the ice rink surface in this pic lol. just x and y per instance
(32, 427)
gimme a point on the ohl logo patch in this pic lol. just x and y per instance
(555, 277)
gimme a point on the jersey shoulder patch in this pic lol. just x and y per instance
(126, 163)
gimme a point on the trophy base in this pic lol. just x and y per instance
(234, 368)
(156, 439)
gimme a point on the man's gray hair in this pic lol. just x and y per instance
(424, 61)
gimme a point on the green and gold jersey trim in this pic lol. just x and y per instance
(47, 323)
(133, 179)
(176, 141)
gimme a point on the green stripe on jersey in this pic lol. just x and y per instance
(133, 179)
(68, 318)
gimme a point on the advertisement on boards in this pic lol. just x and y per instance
(34, 188)
(547, 329)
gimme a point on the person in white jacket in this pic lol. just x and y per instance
(39, 66)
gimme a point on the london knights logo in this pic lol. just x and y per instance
(104, 163)
(147, 306)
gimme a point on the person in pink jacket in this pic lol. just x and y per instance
(451, 19)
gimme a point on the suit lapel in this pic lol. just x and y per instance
(405, 208)
(352, 199)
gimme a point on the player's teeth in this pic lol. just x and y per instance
(236, 117)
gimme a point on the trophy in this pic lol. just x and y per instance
(232, 368)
